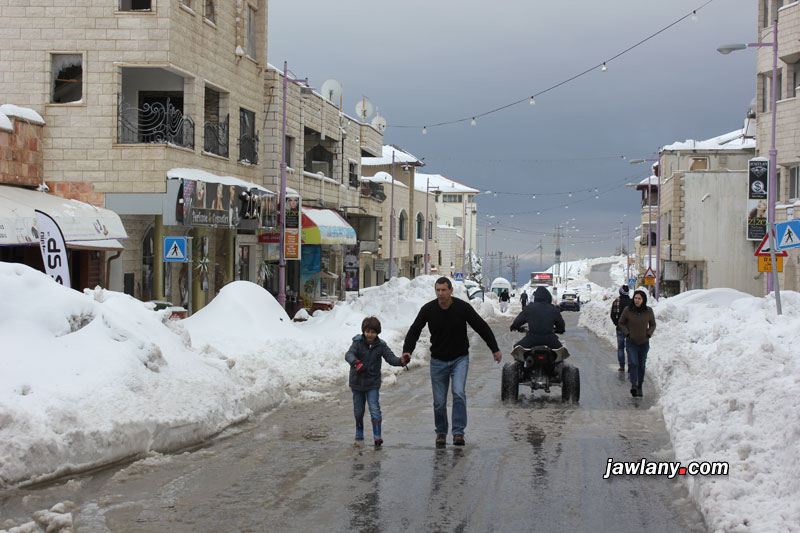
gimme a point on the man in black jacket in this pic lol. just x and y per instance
(544, 320)
(617, 308)
(447, 320)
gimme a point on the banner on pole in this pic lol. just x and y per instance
(54, 249)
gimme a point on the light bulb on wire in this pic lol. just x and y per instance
(473, 122)
(532, 101)
(604, 67)
(694, 16)
(424, 130)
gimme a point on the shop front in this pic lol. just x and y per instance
(326, 239)
(91, 234)
(219, 215)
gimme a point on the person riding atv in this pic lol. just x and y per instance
(543, 319)
(539, 358)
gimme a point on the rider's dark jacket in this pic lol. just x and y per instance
(544, 320)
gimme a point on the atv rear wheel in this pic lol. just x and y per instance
(570, 384)
(509, 383)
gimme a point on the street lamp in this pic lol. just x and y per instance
(391, 226)
(772, 189)
(282, 253)
(428, 190)
(658, 223)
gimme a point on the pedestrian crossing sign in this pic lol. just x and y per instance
(175, 250)
(788, 234)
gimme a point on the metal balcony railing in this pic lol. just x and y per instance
(248, 149)
(216, 137)
(154, 123)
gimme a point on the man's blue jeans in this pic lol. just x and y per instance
(637, 358)
(621, 349)
(442, 372)
(371, 397)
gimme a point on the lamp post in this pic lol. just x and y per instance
(772, 192)
(658, 222)
(282, 252)
(391, 226)
(428, 190)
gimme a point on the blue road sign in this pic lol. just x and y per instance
(631, 282)
(458, 276)
(175, 250)
(787, 234)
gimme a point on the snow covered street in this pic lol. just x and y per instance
(90, 379)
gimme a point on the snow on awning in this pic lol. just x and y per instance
(78, 221)
(325, 226)
(104, 244)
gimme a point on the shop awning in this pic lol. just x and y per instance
(78, 221)
(325, 226)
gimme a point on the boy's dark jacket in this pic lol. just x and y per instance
(371, 356)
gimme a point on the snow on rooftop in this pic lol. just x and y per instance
(11, 110)
(445, 185)
(400, 157)
(383, 177)
(653, 180)
(5, 123)
(734, 140)
(197, 174)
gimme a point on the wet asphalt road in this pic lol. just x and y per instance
(533, 466)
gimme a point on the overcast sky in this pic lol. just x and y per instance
(426, 62)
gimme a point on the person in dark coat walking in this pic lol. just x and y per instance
(504, 299)
(544, 320)
(617, 307)
(638, 323)
(523, 299)
(364, 357)
(447, 320)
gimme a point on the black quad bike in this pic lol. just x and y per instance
(540, 367)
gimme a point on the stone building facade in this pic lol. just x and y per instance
(131, 89)
(788, 114)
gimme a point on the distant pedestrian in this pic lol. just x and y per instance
(638, 323)
(364, 357)
(447, 320)
(617, 307)
(523, 299)
(504, 299)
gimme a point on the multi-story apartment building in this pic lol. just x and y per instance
(703, 213)
(788, 114)
(408, 245)
(154, 109)
(456, 213)
(339, 222)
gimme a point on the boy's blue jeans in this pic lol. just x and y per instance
(442, 372)
(621, 349)
(371, 397)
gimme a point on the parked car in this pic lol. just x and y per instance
(570, 301)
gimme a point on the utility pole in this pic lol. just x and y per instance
(540, 254)
(513, 264)
(500, 265)
(557, 266)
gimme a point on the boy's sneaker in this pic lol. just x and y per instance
(621, 369)
(441, 440)
(378, 443)
(458, 440)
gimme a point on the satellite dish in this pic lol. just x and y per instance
(364, 109)
(379, 122)
(331, 90)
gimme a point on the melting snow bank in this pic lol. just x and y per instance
(728, 379)
(89, 379)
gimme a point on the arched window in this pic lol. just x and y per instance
(401, 226)
(420, 227)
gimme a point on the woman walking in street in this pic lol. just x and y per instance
(637, 323)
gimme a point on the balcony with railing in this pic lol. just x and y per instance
(151, 109)
(216, 136)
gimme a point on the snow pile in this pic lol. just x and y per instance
(728, 379)
(92, 378)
